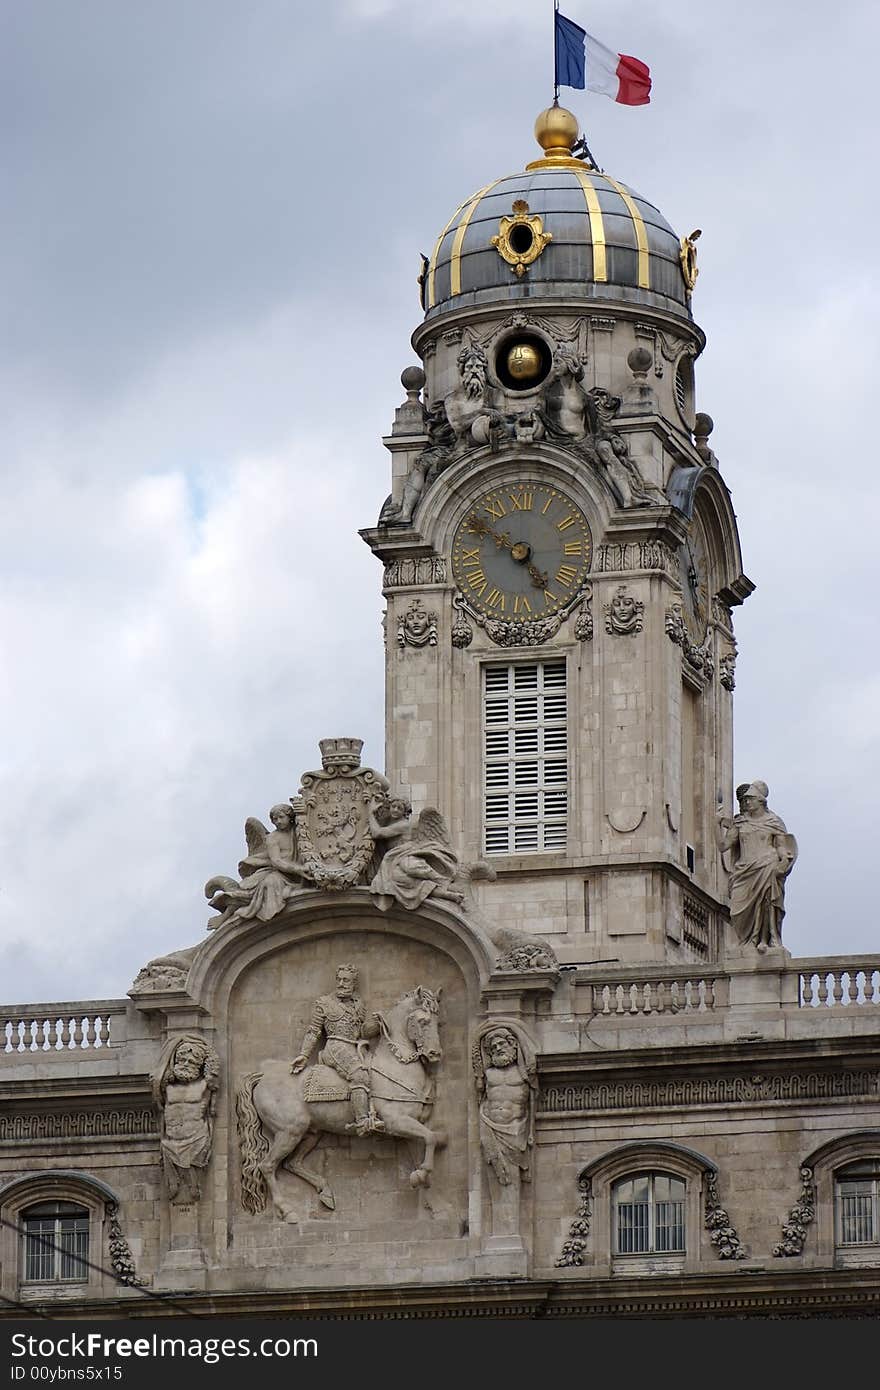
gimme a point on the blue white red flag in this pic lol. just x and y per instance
(585, 63)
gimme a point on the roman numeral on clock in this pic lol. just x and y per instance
(521, 502)
(566, 575)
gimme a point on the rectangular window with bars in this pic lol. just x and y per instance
(525, 757)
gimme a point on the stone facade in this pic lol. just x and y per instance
(417, 1067)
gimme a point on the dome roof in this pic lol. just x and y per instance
(605, 241)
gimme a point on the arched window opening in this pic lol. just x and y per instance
(56, 1243)
(649, 1214)
(858, 1203)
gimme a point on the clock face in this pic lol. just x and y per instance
(692, 567)
(522, 551)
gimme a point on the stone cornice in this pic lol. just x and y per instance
(780, 1292)
(694, 1059)
(618, 309)
(72, 1092)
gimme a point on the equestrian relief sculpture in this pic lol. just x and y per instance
(353, 1088)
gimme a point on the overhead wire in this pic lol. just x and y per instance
(49, 1244)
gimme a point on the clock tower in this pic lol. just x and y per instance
(560, 564)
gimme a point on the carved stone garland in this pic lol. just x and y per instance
(506, 633)
(583, 623)
(583, 628)
(722, 1233)
(802, 1215)
(700, 660)
(121, 1258)
(462, 633)
(572, 1254)
(528, 955)
(514, 634)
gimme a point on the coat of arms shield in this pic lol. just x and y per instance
(332, 814)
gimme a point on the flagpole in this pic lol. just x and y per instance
(555, 63)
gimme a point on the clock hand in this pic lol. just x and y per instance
(520, 551)
(479, 526)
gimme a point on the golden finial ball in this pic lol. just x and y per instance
(523, 362)
(556, 131)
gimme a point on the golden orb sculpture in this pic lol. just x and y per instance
(523, 362)
(556, 131)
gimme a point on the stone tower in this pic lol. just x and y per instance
(511, 1056)
(560, 563)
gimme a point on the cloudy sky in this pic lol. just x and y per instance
(214, 212)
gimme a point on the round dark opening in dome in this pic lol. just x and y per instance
(521, 238)
(522, 361)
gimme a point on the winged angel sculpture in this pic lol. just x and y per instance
(269, 874)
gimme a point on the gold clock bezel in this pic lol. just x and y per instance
(509, 517)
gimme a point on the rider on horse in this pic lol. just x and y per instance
(341, 1019)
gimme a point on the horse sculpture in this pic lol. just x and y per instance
(402, 1091)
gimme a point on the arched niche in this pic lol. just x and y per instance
(256, 987)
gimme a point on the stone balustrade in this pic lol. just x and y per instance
(60, 1029)
(659, 992)
(822, 982)
(832, 983)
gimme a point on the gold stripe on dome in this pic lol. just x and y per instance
(455, 261)
(436, 252)
(641, 235)
(597, 225)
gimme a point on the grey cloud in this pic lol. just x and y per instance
(211, 272)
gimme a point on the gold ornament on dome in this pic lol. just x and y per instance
(688, 257)
(521, 238)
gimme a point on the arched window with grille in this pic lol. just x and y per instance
(857, 1202)
(646, 1206)
(648, 1214)
(845, 1226)
(55, 1239)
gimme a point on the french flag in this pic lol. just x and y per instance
(584, 62)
